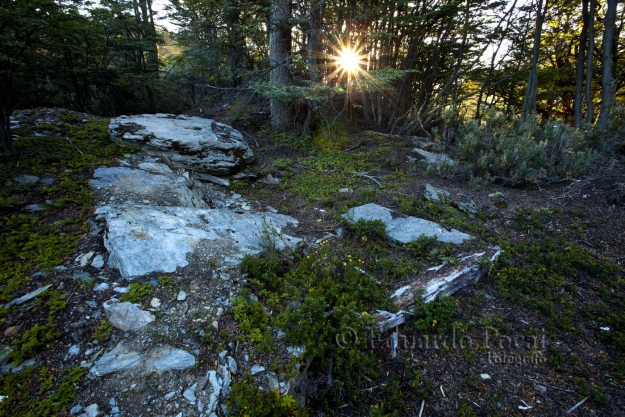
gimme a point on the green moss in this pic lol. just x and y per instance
(103, 331)
(33, 340)
(246, 399)
(137, 293)
(165, 280)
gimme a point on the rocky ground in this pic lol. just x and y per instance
(138, 259)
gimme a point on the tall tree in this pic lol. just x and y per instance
(529, 102)
(581, 62)
(279, 51)
(590, 105)
(607, 80)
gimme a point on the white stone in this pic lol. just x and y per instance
(193, 143)
(127, 316)
(433, 194)
(404, 229)
(84, 259)
(434, 158)
(98, 261)
(103, 286)
(189, 393)
(116, 360)
(74, 350)
(142, 240)
(27, 297)
(181, 296)
(256, 369)
(155, 302)
(485, 377)
(92, 411)
(167, 358)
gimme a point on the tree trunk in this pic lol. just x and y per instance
(590, 106)
(529, 102)
(279, 50)
(5, 132)
(581, 58)
(607, 82)
(314, 53)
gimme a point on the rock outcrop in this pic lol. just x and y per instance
(193, 143)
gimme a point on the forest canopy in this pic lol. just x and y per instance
(415, 67)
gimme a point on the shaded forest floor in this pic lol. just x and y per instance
(543, 331)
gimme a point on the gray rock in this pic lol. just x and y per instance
(26, 179)
(76, 409)
(468, 206)
(98, 262)
(136, 184)
(270, 180)
(272, 381)
(155, 168)
(216, 384)
(116, 360)
(194, 143)
(84, 259)
(48, 181)
(189, 393)
(32, 208)
(19, 368)
(181, 296)
(433, 194)
(83, 276)
(435, 159)
(127, 316)
(168, 358)
(215, 180)
(170, 395)
(404, 229)
(103, 286)
(74, 350)
(256, 369)
(27, 297)
(142, 239)
(92, 411)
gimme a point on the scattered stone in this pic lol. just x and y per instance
(98, 262)
(155, 302)
(26, 179)
(189, 393)
(215, 180)
(468, 206)
(115, 360)
(169, 395)
(127, 316)
(91, 411)
(272, 381)
(60, 268)
(168, 358)
(76, 409)
(48, 181)
(84, 259)
(271, 209)
(497, 196)
(194, 143)
(296, 350)
(256, 369)
(246, 207)
(83, 276)
(434, 194)
(541, 388)
(340, 232)
(121, 290)
(12, 331)
(11, 368)
(74, 350)
(485, 377)
(434, 158)
(346, 191)
(270, 180)
(404, 229)
(181, 296)
(27, 297)
(32, 208)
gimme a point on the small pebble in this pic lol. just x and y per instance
(181, 296)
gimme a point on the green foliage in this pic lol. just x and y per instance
(103, 331)
(322, 303)
(137, 293)
(165, 281)
(330, 134)
(33, 340)
(253, 320)
(369, 228)
(498, 148)
(246, 399)
(592, 392)
(437, 316)
(31, 394)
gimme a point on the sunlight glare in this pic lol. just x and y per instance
(349, 61)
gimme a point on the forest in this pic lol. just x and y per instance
(376, 208)
(442, 69)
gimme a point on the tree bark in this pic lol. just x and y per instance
(607, 81)
(5, 132)
(529, 102)
(279, 50)
(314, 53)
(581, 59)
(590, 105)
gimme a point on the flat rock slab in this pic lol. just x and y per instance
(146, 239)
(193, 143)
(139, 185)
(404, 229)
(123, 358)
(127, 316)
(436, 159)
